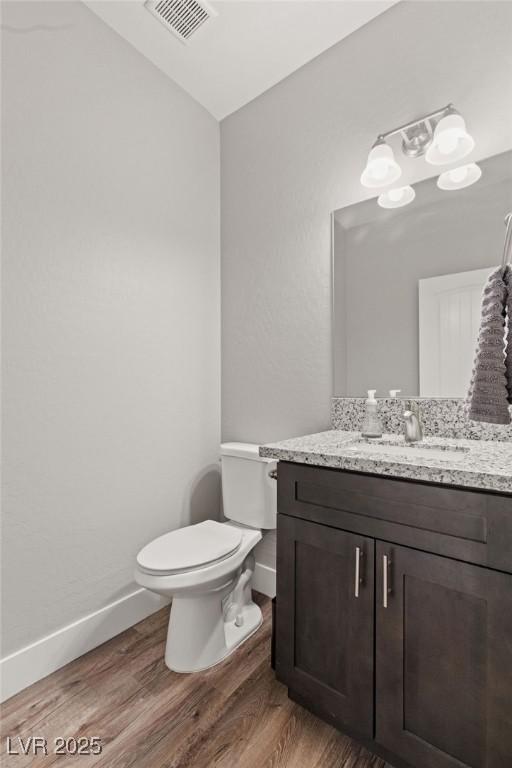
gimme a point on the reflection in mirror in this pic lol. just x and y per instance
(408, 283)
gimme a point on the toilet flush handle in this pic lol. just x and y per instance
(273, 474)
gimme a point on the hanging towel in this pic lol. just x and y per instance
(508, 282)
(488, 396)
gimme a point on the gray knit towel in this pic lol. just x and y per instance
(508, 359)
(490, 388)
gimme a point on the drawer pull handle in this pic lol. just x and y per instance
(386, 589)
(358, 576)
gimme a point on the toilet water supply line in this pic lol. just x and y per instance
(238, 597)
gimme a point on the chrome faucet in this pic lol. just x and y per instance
(413, 428)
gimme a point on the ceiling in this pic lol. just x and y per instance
(246, 49)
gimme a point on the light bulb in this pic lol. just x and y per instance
(458, 178)
(447, 143)
(396, 198)
(396, 194)
(381, 168)
(458, 174)
(451, 141)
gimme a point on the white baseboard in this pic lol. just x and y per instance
(264, 580)
(35, 661)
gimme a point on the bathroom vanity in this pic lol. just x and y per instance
(394, 561)
(394, 593)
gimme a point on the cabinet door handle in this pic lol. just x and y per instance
(358, 577)
(386, 562)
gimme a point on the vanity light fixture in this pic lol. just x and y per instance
(381, 168)
(458, 178)
(451, 141)
(397, 197)
(441, 136)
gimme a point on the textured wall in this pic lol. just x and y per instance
(111, 314)
(295, 154)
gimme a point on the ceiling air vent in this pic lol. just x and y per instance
(182, 17)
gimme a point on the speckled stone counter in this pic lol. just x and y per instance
(441, 417)
(480, 464)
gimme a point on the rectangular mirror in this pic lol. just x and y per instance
(407, 285)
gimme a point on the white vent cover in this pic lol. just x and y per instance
(182, 17)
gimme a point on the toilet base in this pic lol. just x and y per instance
(199, 637)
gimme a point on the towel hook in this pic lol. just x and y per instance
(508, 240)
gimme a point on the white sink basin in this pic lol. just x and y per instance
(410, 451)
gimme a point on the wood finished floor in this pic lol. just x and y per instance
(232, 716)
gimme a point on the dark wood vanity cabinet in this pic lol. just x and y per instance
(443, 661)
(404, 648)
(325, 643)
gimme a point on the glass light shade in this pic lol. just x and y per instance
(381, 168)
(397, 197)
(451, 141)
(460, 177)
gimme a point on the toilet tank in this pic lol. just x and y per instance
(249, 494)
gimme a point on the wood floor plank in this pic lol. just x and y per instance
(35, 703)
(212, 709)
(155, 623)
(141, 738)
(236, 724)
(234, 715)
(302, 742)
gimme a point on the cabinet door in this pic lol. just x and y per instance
(443, 661)
(325, 619)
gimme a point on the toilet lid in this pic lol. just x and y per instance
(191, 547)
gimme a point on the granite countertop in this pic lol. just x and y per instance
(482, 464)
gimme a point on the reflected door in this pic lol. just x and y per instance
(449, 321)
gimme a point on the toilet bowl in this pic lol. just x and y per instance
(206, 569)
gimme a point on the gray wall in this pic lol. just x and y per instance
(111, 314)
(295, 154)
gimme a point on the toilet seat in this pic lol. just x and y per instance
(189, 548)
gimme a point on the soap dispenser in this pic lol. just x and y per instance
(372, 426)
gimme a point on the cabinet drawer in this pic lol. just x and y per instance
(474, 526)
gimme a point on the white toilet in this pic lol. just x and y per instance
(207, 568)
